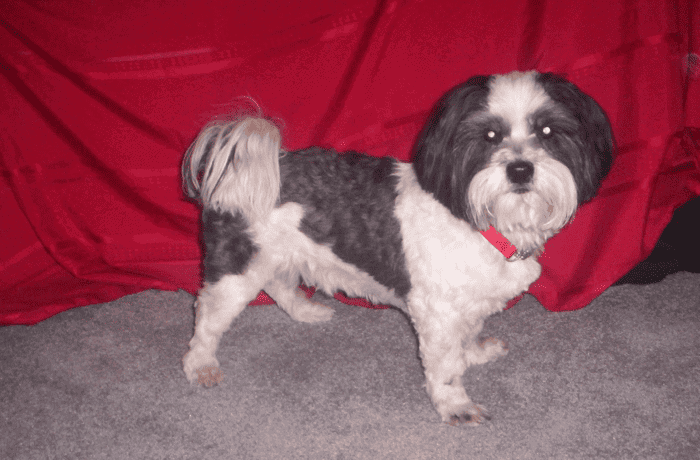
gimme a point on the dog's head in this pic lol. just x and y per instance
(518, 152)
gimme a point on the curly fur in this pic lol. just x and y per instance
(519, 152)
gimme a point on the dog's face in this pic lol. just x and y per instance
(518, 152)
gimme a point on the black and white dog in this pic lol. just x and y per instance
(517, 153)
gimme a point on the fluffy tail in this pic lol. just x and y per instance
(235, 166)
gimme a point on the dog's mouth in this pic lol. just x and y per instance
(520, 189)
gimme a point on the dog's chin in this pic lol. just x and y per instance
(529, 213)
(526, 217)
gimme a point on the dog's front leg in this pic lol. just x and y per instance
(442, 339)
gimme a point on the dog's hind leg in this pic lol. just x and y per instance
(294, 301)
(217, 305)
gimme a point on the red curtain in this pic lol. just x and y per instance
(99, 100)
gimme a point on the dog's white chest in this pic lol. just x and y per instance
(447, 259)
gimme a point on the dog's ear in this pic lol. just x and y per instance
(435, 149)
(596, 130)
(437, 138)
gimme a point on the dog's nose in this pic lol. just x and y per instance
(520, 172)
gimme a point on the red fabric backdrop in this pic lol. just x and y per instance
(99, 100)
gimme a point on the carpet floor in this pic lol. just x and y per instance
(618, 379)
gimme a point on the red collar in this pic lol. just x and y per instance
(500, 242)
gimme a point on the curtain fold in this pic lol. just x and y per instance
(99, 100)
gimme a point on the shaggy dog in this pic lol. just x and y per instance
(514, 154)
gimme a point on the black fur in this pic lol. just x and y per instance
(228, 247)
(348, 202)
(451, 149)
(454, 147)
(589, 132)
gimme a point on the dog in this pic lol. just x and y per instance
(514, 154)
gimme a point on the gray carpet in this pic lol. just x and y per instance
(618, 379)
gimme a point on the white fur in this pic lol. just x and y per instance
(457, 278)
(514, 97)
(242, 174)
(527, 220)
(286, 255)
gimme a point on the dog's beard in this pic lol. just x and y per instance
(527, 219)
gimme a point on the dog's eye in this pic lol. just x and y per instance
(493, 136)
(546, 131)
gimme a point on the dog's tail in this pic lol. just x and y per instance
(234, 166)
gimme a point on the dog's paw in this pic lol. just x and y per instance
(494, 348)
(209, 376)
(470, 415)
(307, 311)
(202, 371)
(488, 350)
